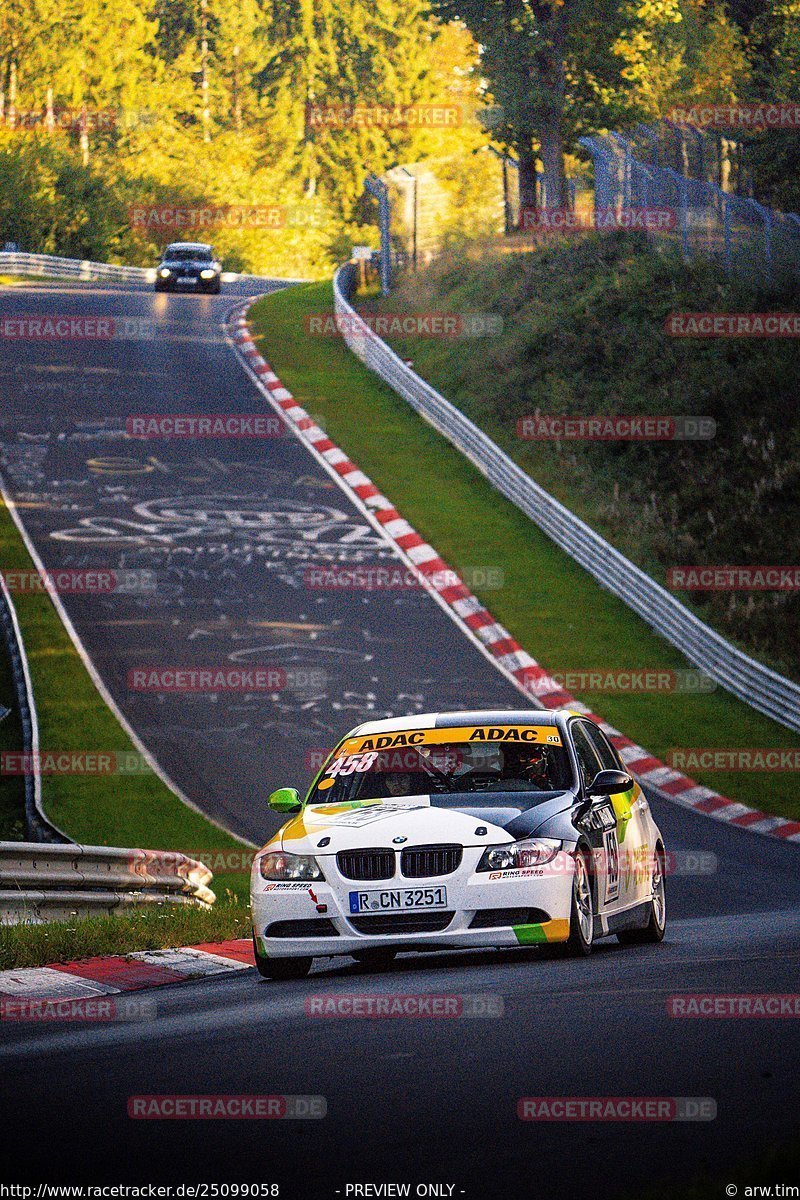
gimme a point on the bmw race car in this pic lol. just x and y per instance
(189, 265)
(459, 830)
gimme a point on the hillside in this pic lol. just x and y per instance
(583, 333)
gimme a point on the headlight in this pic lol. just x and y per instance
(164, 272)
(276, 864)
(207, 273)
(534, 852)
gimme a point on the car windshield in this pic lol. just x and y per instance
(444, 769)
(186, 254)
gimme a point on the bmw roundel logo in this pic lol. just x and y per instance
(398, 841)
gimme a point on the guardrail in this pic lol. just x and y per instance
(37, 825)
(17, 263)
(54, 883)
(749, 680)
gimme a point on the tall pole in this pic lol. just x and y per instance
(12, 94)
(414, 213)
(237, 104)
(416, 218)
(506, 203)
(204, 69)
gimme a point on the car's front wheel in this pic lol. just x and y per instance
(657, 922)
(581, 920)
(281, 968)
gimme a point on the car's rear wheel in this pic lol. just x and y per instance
(379, 959)
(657, 922)
(581, 920)
(281, 968)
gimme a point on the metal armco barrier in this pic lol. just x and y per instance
(37, 826)
(746, 678)
(41, 883)
(17, 263)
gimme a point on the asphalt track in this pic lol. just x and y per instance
(408, 1100)
(227, 533)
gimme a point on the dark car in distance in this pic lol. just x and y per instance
(189, 265)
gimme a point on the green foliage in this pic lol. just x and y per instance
(136, 70)
(263, 101)
(773, 156)
(583, 335)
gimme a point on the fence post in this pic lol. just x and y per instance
(726, 232)
(684, 203)
(377, 188)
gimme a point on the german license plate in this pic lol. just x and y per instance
(186, 279)
(398, 899)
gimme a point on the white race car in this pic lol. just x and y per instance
(457, 830)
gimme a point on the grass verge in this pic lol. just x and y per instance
(104, 810)
(554, 608)
(585, 332)
(156, 928)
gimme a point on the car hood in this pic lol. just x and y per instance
(378, 822)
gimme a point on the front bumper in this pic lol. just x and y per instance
(327, 903)
(190, 283)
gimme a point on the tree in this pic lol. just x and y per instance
(525, 47)
(331, 64)
(773, 156)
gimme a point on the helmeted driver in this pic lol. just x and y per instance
(532, 765)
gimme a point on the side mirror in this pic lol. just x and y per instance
(609, 783)
(285, 800)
